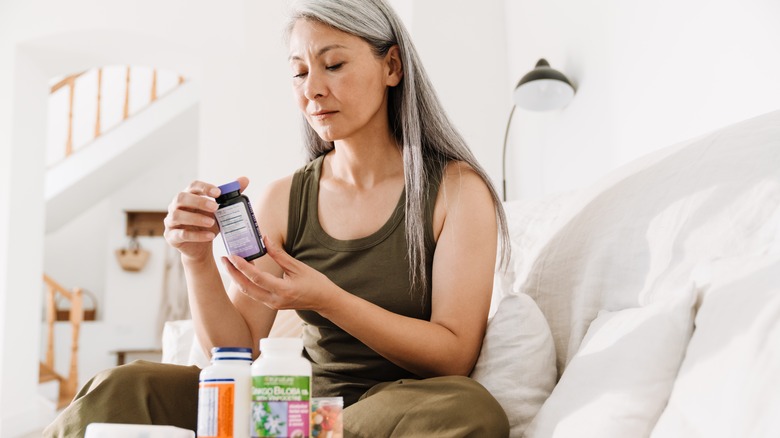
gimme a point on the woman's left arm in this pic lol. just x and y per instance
(462, 279)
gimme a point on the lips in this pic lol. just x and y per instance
(322, 114)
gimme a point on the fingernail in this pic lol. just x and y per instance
(214, 192)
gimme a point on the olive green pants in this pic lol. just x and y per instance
(152, 393)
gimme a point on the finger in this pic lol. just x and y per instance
(193, 202)
(244, 284)
(243, 182)
(203, 188)
(179, 236)
(255, 277)
(247, 270)
(279, 255)
(184, 219)
(241, 282)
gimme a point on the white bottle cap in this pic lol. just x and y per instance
(281, 344)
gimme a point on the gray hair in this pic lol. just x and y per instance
(417, 119)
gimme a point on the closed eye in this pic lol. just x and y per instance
(335, 67)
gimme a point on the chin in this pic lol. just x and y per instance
(327, 136)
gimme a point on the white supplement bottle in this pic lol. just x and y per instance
(224, 394)
(281, 390)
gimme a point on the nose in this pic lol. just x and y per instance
(314, 86)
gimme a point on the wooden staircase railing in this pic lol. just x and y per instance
(70, 82)
(67, 385)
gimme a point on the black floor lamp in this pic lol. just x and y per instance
(541, 89)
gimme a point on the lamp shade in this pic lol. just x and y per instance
(543, 89)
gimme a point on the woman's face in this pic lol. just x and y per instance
(338, 82)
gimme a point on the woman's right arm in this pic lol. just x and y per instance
(223, 318)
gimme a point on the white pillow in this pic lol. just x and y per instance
(177, 342)
(180, 345)
(530, 222)
(729, 382)
(517, 362)
(618, 382)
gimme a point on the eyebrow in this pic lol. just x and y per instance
(319, 52)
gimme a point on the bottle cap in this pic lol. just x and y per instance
(228, 191)
(231, 353)
(281, 344)
(233, 186)
(231, 350)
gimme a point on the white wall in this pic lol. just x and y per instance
(649, 74)
(269, 145)
(75, 255)
(463, 48)
(22, 242)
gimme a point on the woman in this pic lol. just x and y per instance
(384, 243)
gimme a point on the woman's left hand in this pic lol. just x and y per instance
(300, 288)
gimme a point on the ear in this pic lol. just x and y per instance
(393, 66)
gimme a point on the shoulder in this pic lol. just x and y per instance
(463, 193)
(462, 185)
(272, 207)
(459, 174)
(277, 190)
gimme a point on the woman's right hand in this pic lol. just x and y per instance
(190, 225)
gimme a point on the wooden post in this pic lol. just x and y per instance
(76, 317)
(99, 95)
(154, 86)
(69, 143)
(127, 94)
(50, 317)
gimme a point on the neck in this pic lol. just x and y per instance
(366, 164)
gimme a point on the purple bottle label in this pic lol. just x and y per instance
(234, 224)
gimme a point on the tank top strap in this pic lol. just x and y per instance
(300, 191)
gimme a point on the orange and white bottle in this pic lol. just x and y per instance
(224, 394)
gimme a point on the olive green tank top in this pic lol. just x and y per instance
(374, 268)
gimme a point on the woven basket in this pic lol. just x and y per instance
(133, 258)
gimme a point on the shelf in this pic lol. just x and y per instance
(145, 223)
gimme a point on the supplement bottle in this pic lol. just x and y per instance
(224, 394)
(281, 389)
(237, 223)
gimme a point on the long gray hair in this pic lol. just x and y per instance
(428, 139)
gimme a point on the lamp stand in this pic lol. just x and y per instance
(503, 154)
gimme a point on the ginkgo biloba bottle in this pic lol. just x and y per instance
(281, 390)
